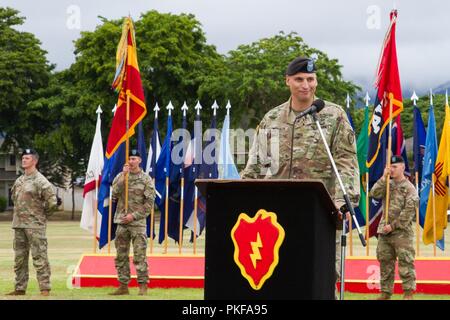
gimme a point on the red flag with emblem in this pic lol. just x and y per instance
(127, 82)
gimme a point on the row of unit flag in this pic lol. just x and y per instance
(176, 193)
(179, 202)
(382, 136)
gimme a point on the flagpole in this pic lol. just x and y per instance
(166, 204)
(197, 107)
(95, 215)
(152, 226)
(195, 219)
(417, 216)
(149, 161)
(109, 220)
(166, 215)
(388, 161)
(180, 236)
(414, 98)
(350, 229)
(367, 100)
(127, 150)
(367, 214)
(434, 213)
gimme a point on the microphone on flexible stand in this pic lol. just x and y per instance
(316, 107)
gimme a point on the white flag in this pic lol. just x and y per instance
(93, 174)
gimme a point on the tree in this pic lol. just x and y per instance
(24, 69)
(66, 142)
(173, 57)
(252, 77)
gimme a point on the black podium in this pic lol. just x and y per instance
(302, 259)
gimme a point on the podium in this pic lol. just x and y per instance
(287, 253)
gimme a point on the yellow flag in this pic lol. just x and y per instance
(441, 172)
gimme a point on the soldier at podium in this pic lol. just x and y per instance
(290, 148)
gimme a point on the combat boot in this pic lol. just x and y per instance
(16, 293)
(384, 296)
(45, 293)
(122, 290)
(142, 289)
(408, 295)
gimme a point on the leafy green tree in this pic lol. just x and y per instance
(424, 105)
(24, 69)
(252, 77)
(172, 53)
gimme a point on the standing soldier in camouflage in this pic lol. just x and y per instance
(396, 239)
(290, 148)
(132, 222)
(34, 200)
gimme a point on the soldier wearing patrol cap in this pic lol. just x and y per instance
(34, 200)
(131, 222)
(290, 148)
(396, 237)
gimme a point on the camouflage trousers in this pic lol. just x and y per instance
(24, 240)
(390, 248)
(126, 235)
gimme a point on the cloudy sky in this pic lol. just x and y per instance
(351, 30)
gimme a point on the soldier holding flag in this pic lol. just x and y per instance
(131, 222)
(396, 238)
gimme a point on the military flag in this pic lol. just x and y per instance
(227, 168)
(154, 149)
(388, 92)
(418, 143)
(436, 214)
(362, 146)
(113, 166)
(192, 166)
(209, 166)
(90, 217)
(349, 116)
(162, 178)
(127, 82)
(429, 161)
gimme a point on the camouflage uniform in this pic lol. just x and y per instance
(34, 200)
(398, 243)
(141, 196)
(302, 154)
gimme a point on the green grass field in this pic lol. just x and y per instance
(67, 242)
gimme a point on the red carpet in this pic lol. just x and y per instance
(187, 271)
(432, 274)
(166, 271)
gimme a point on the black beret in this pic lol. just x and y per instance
(28, 151)
(301, 64)
(397, 159)
(134, 153)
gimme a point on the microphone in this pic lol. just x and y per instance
(316, 106)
